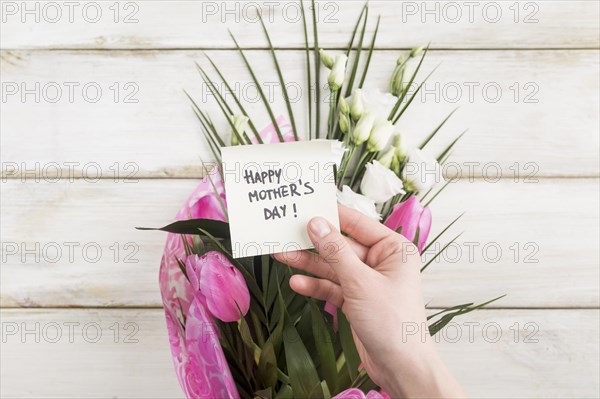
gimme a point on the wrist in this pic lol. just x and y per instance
(422, 373)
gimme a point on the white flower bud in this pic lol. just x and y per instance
(362, 130)
(344, 123)
(358, 107)
(344, 108)
(380, 135)
(338, 72)
(417, 51)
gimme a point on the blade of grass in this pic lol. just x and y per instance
(438, 325)
(356, 60)
(308, 74)
(413, 96)
(441, 233)
(281, 80)
(236, 99)
(371, 49)
(207, 121)
(440, 158)
(317, 57)
(410, 82)
(260, 90)
(438, 193)
(439, 253)
(436, 130)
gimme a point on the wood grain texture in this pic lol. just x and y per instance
(204, 24)
(493, 353)
(516, 235)
(533, 111)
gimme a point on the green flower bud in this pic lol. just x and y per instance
(326, 59)
(397, 85)
(395, 164)
(417, 51)
(380, 135)
(240, 124)
(344, 123)
(363, 128)
(387, 157)
(344, 108)
(358, 107)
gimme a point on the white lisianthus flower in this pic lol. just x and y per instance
(380, 135)
(349, 198)
(379, 183)
(338, 72)
(362, 130)
(421, 172)
(373, 101)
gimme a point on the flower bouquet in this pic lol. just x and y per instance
(236, 328)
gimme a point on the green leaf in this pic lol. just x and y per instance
(301, 369)
(348, 345)
(324, 348)
(413, 96)
(267, 365)
(214, 227)
(285, 392)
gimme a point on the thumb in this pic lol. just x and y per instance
(335, 250)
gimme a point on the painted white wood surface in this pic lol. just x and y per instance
(204, 24)
(494, 353)
(552, 236)
(550, 53)
(535, 108)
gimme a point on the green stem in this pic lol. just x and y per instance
(359, 166)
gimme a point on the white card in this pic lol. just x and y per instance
(273, 190)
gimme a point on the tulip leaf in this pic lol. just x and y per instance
(301, 369)
(324, 347)
(348, 345)
(215, 227)
(285, 392)
(267, 365)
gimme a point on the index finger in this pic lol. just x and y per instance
(362, 228)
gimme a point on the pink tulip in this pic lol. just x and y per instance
(219, 286)
(410, 215)
(355, 393)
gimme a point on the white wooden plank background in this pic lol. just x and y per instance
(536, 353)
(549, 56)
(51, 215)
(562, 89)
(484, 24)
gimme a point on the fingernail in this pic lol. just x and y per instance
(319, 227)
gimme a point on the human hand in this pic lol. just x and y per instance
(373, 275)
